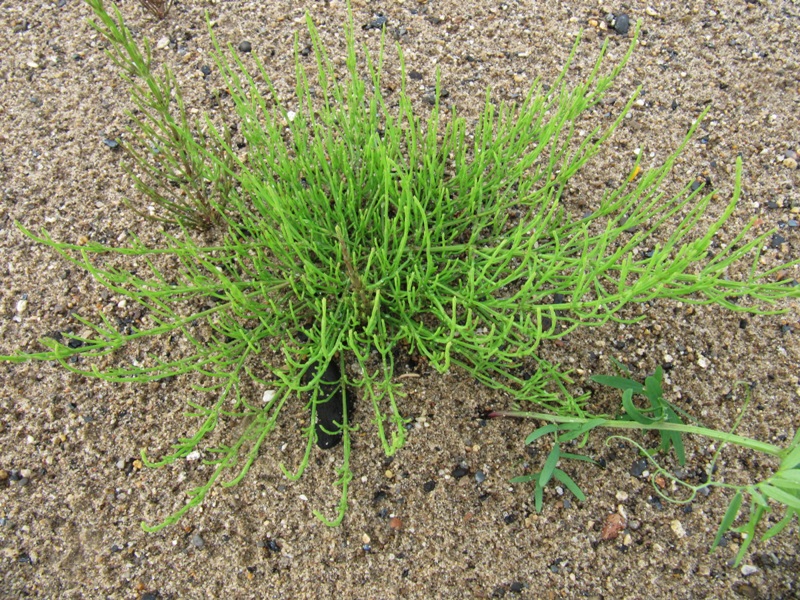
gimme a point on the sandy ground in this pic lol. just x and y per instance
(72, 495)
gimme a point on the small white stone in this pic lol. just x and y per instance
(303, 497)
(290, 114)
(162, 43)
(268, 396)
(748, 570)
(193, 455)
(622, 496)
(703, 362)
(22, 305)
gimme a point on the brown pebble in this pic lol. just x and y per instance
(396, 523)
(614, 524)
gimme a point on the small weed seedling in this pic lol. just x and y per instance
(782, 488)
(350, 229)
(158, 8)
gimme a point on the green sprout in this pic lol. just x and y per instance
(350, 230)
(782, 488)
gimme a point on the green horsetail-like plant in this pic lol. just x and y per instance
(351, 229)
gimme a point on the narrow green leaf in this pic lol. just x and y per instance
(785, 483)
(549, 465)
(580, 457)
(631, 410)
(525, 478)
(728, 519)
(779, 526)
(580, 430)
(792, 459)
(570, 484)
(779, 495)
(542, 431)
(792, 475)
(537, 498)
(620, 383)
(652, 388)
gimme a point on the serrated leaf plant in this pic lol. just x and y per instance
(353, 229)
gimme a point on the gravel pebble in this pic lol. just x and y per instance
(638, 467)
(621, 23)
(459, 472)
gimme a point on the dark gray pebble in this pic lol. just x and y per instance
(430, 97)
(378, 22)
(428, 486)
(621, 23)
(459, 472)
(245, 47)
(198, 541)
(517, 587)
(639, 467)
(205, 70)
(776, 241)
(480, 477)
(113, 144)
